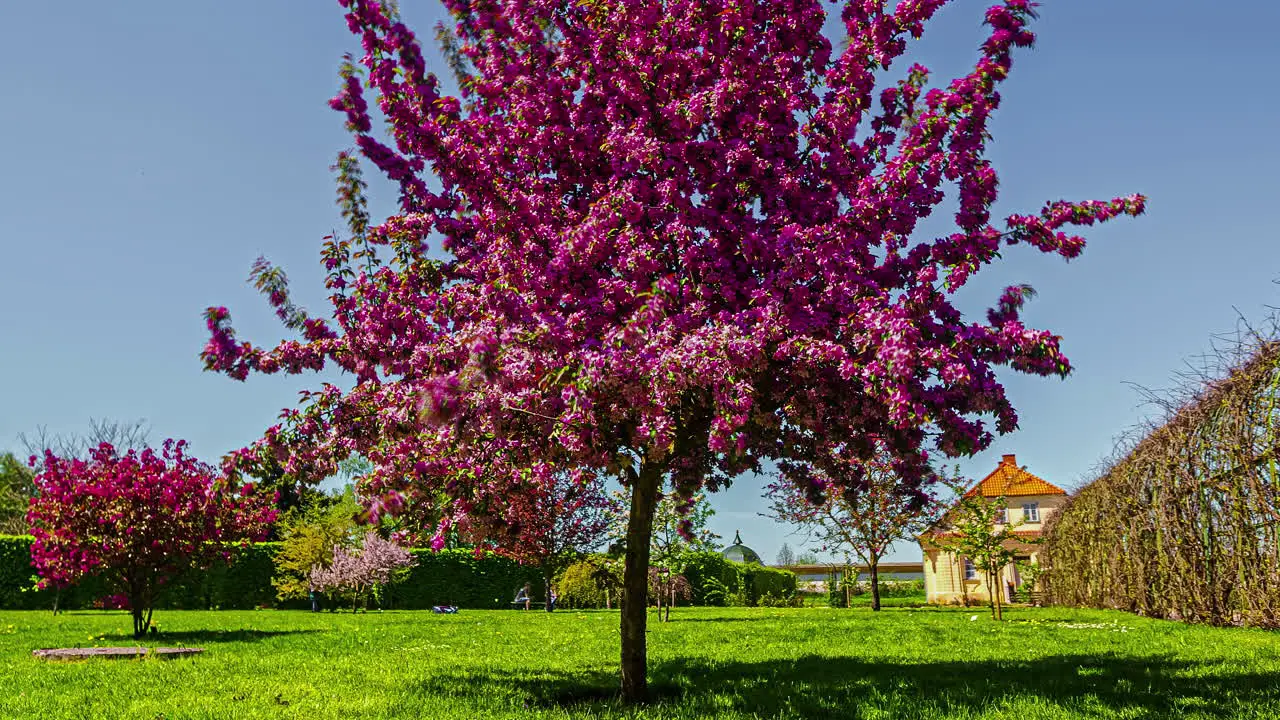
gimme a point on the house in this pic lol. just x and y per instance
(1030, 499)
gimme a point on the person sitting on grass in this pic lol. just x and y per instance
(522, 596)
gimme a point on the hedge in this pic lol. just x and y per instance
(764, 585)
(243, 584)
(454, 577)
(1185, 525)
(717, 581)
(458, 577)
(448, 577)
(714, 580)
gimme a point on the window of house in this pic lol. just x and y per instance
(1031, 512)
(970, 570)
(1002, 516)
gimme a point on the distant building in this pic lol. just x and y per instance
(737, 552)
(949, 578)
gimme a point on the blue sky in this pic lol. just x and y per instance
(154, 149)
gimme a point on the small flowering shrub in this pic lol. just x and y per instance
(137, 519)
(357, 574)
(666, 588)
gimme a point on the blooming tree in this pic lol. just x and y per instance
(855, 507)
(666, 586)
(976, 528)
(550, 523)
(357, 573)
(137, 519)
(675, 239)
(308, 539)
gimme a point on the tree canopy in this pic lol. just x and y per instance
(675, 239)
(138, 519)
(16, 490)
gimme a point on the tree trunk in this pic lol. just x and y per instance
(875, 583)
(635, 582)
(1000, 595)
(993, 579)
(134, 595)
(546, 586)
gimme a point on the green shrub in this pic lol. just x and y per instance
(714, 579)
(771, 600)
(760, 581)
(16, 572)
(715, 593)
(578, 587)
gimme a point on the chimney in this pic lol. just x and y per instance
(1010, 459)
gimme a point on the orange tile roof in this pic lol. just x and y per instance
(1010, 480)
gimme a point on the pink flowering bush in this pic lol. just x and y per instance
(358, 573)
(137, 519)
(666, 587)
(673, 240)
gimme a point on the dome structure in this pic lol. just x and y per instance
(739, 553)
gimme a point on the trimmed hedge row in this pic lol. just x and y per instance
(448, 577)
(243, 584)
(767, 586)
(713, 580)
(717, 581)
(453, 577)
(458, 577)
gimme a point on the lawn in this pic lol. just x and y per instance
(725, 663)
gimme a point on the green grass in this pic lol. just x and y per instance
(724, 663)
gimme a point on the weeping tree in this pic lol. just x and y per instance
(661, 241)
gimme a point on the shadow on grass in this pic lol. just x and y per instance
(676, 617)
(815, 686)
(204, 637)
